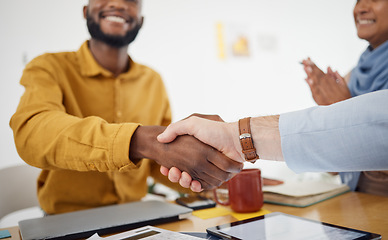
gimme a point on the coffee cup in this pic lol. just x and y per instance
(243, 193)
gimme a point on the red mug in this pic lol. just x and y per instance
(244, 192)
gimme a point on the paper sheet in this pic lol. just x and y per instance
(149, 232)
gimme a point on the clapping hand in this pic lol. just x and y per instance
(326, 88)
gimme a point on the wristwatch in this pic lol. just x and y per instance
(246, 141)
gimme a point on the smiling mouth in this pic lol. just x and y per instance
(115, 19)
(365, 21)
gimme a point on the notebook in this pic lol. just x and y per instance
(102, 220)
(302, 194)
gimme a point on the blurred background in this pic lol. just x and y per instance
(234, 58)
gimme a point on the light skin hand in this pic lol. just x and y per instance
(213, 117)
(213, 133)
(219, 135)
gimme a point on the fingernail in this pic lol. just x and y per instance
(309, 69)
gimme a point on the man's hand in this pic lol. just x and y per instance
(213, 117)
(326, 88)
(209, 129)
(201, 161)
(174, 174)
(219, 135)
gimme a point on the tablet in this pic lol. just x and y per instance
(281, 226)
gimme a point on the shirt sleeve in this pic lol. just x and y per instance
(47, 137)
(351, 135)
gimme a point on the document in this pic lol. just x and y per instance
(146, 233)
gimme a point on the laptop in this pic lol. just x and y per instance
(102, 220)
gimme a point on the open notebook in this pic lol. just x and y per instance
(102, 220)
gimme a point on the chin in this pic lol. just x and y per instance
(364, 36)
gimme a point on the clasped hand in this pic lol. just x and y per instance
(212, 131)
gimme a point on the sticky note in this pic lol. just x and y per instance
(5, 234)
(243, 216)
(212, 212)
(222, 211)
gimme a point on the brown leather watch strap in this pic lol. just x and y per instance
(248, 149)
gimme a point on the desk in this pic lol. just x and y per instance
(354, 210)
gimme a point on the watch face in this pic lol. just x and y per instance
(245, 135)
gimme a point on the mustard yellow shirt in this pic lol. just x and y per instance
(75, 121)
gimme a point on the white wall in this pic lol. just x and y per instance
(179, 40)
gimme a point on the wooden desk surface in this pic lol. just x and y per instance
(354, 210)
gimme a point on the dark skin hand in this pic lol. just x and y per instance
(204, 163)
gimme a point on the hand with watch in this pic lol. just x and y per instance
(235, 140)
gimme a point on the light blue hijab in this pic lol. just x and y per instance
(371, 72)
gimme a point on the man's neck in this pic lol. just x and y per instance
(113, 59)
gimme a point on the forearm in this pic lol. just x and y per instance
(266, 137)
(56, 140)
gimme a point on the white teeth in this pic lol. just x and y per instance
(115, 19)
(365, 21)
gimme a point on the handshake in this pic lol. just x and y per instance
(202, 151)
